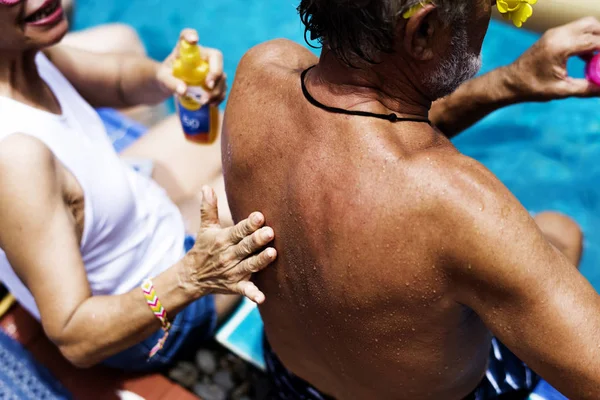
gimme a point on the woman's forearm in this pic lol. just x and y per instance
(89, 329)
(105, 325)
(138, 83)
(109, 80)
(553, 13)
(472, 101)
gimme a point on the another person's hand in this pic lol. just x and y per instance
(216, 81)
(223, 260)
(540, 74)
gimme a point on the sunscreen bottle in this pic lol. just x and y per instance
(200, 123)
(592, 70)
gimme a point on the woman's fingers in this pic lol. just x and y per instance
(253, 243)
(249, 289)
(189, 35)
(246, 227)
(215, 61)
(256, 262)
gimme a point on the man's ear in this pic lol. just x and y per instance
(419, 32)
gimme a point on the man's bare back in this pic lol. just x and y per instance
(395, 251)
(359, 302)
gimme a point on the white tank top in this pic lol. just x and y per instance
(132, 230)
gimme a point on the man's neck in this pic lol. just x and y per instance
(383, 88)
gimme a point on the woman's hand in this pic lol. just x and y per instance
(216, 81)
(223, 259)
(540, 74)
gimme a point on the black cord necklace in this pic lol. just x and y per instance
(388, 117)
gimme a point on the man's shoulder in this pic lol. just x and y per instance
(267, 71)
(464, 202)
(454, 188)
(276, 55)
(450, 172)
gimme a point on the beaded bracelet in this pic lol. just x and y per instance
(159, 312)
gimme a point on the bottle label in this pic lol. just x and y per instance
(195, 122)
(195, 93)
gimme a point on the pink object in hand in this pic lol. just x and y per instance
(592, 71)
(9, 2)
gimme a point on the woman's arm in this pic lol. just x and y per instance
(109, 80)
(540, 74)
(549, 14)
(39, 236)
(126, 80)
(473, 101)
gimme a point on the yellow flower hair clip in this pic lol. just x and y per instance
(518, 11)
(413, 10)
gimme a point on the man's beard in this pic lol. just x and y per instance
(459, 67)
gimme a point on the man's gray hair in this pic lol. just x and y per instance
(461, 65)
(358, 30)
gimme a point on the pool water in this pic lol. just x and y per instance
(547, 154)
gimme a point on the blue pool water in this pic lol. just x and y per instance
(547, 154)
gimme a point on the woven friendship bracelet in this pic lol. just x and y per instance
(159, 312)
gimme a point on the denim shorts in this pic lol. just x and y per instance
(193, 325)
